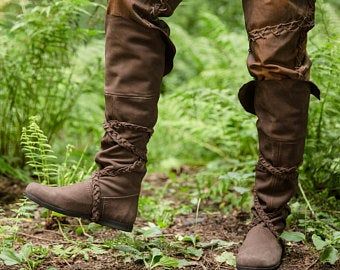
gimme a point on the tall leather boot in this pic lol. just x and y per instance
(138, 54)
(279, 96)
(282, 111)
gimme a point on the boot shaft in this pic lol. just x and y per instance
(281, 107)
(135, 64)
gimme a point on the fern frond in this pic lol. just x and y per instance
(38, 152)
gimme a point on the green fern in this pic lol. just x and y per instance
(70, 172)
(38, 153)
(41, 158)
(38, 75)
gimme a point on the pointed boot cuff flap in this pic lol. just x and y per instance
(314, 90)
(246, 94)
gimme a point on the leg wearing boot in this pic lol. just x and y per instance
(138, 54)
(279, 97)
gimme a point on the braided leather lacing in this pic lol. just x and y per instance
(112, 128)
(158, 8)
(282, 28)
(259, 214)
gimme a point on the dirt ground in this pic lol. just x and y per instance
(231, 228)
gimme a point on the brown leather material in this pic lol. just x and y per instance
(130, 62)
(282, 110)
(260, 250)
(146, 13)
(71, 195)
(246, 94)
(277, 32)
(135, 64)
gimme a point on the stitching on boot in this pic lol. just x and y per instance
(120, 197)
(305, 23)
(259, 214)
(112, 128)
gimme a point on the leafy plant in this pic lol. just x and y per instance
(28, 256)
(226, 257)
(37, 74)
(38, 152)
(328, 248)
(43, 162)
(293, 236)
(73, 251)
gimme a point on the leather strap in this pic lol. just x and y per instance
(112, 128)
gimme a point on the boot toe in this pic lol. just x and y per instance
(260, 250)
(73, 200)
(38, 192)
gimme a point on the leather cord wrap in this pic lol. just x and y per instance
(284, 174)
(112, 128)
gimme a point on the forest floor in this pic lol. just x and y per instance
(208, 229)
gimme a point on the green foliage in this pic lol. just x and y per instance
(322, 164)
(73, 251)
(155, 251)
(227, 257)
(293, 236)
(37, 75)
(38, 152)
(49, 69)
(28, 256)
(24, 209)
(328, 249)
(40, 157)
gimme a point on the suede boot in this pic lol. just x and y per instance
(282, 110)
(138, 54)
(278, 60)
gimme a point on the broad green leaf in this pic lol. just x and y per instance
(293, 236)
(336, 235)
(189, 239)
(241, 190)
(150, 232)
(318, 242)
(167, 262)
(25, 251)
(329, 255)
(226, 257)
(194, 252)
(9, 257)
(156, 252)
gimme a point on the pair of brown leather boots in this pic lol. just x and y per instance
(138, 54)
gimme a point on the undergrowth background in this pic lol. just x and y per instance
(51, 109)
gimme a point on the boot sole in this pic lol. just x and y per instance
(109, 223)
(258, 268)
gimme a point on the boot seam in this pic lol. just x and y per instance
(131, 96)
(145, 23)
(282, 140)
(120, 197)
